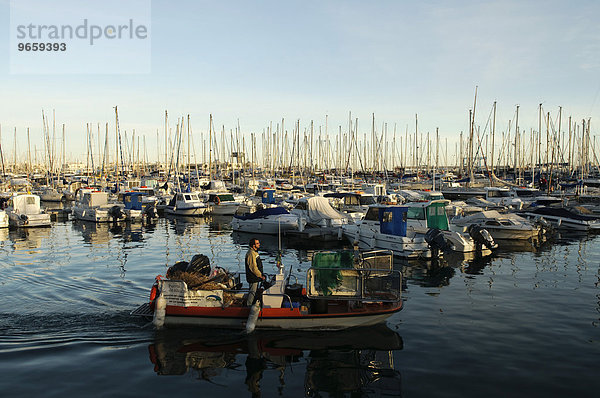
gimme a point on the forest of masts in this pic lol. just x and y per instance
(558, 144)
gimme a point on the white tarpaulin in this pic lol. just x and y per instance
(319, 209)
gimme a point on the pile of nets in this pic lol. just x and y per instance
(198, 275)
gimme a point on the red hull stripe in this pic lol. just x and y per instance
(270, 313)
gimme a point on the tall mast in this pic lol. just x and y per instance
(210, 148)
(493, 137)
(166, 146)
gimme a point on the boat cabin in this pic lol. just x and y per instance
(221, 197)
(267, 196)
(392, 220)
(185, 197)
(25, 204)
(94, 198)
(430, 214)
(133, 200)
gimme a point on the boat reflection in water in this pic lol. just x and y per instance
(355, 360)
(28, 239)
(219, 224)
(439, 272)
(103, 233)
(183, 225)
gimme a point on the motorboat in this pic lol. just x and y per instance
(355, 204)
(270, 220)
(92, 205)
(562, 218)
(222, 204)
(384, 227)
(24, 211)
(535, 197)
(500, 225)
(136, 208)
(503, 197)
(49, 194)
(186, 204)
(430, 220)
(317, 212)
(343, 290)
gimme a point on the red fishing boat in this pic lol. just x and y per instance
(343, 290)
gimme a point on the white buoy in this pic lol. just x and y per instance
(253, 317)
(159, 311)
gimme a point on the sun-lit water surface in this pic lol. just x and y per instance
(523, 323)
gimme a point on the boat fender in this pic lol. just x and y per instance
(160, 312)
(252, 317)
(154, 292)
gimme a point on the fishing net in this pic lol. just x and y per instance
(327, 265)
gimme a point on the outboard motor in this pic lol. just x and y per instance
(149, 212)
(436, 241)
(481, 237)
(116, 213)
(546, 227)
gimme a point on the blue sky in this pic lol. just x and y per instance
(264, 61)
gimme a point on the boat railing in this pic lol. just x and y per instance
(360, 284)
(377, 259)
(284, 298)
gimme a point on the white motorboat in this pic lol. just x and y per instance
(186, 204)
(222, 204)
(318, 212)
(384, 228)
(562, 218)
(503, 197)
(500, 226)
(271, 220)
(431, 220)
(92, 205)
(24, 211)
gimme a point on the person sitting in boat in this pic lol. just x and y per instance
(254, 269)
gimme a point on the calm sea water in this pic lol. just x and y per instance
(525, 322)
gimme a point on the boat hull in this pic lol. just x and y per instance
(274, 318)
(512, 234)
(90, 214)
(563, 223)
(265, 226)
(185, 211)
(224, 209)
(32, 220)
(401, 246)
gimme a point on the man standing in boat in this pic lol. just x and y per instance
(254, 269)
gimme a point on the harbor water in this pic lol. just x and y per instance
(523, 322)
